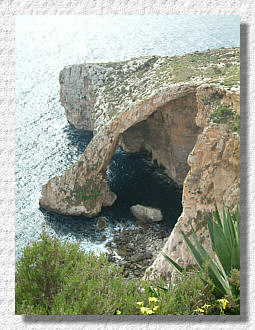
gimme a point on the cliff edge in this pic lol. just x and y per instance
(184, 110)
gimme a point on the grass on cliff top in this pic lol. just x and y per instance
(216, 65)
(137, 79)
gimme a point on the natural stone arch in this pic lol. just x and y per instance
(83, 188)
(113, 98)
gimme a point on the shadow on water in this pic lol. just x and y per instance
(135, 181)
(77, 138)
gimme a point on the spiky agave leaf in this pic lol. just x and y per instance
(225, 241)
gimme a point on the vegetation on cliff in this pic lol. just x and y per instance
(59, 279)
(121, 95)
(225, 243)
(135, 80)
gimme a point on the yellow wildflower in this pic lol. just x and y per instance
(155, 308)
(140, 303)
(199, 310)
(118, 312)
(154, 299)
(144, 309)
(206, 306)
(149, 311)
(223, 303)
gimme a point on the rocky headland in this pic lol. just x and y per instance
(184, 110)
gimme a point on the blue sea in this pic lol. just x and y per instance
(46, 144)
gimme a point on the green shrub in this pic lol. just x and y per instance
(41, 272)
(187, 293)
(222, 114)
(59, 279)
(55, 278)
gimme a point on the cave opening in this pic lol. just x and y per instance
(135, 180)
(150, 162)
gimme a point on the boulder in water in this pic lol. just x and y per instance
(101, 223)
(146, 213)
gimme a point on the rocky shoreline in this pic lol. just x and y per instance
(183, 110)
(136, 249)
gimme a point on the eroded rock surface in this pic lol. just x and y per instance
(146, 213)
(214, 176)
(138, 248)
(182, 109)
(111, 98)
(101, 223)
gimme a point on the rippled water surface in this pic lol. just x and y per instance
(46, 144)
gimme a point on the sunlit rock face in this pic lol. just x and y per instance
(214, 176)
(83, 189)
(169, 134)
(184, 110)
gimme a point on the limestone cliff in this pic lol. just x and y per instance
(182, 109)
(214, 174)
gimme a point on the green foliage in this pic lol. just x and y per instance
(41, 272)
(55, 278)
(222, 114)
(59, 279)
(225, 242)
(185, 295)
(82, 194)
(213, 98)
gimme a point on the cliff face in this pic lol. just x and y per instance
(169, 134)
(83, 188)
(214, 176)
(184, 110)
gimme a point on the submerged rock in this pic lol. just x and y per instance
(101, 223)
(146, 213)
(137, 248)
(103, 238)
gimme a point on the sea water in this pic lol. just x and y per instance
(46, 144)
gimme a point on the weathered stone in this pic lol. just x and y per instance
(169, 134)
(103, 238)
(169, 115)
(110, 258)
(108, 244)
(148, 255)
(217, 147)
(130, 246)
(96, 97)
(137, 257)
(101, 223)
(146, 214)
(137, 273)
